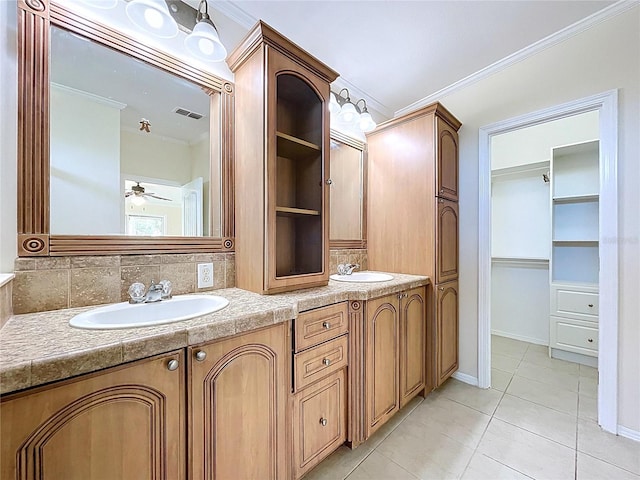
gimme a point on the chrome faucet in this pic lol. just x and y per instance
(156, 293)
(347, 268)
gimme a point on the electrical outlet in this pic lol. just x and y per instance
(205, 275)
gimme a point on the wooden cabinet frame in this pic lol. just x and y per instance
(34, 237)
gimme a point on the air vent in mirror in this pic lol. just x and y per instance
(188, 113)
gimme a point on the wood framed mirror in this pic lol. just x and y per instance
(66, 129)
(348, 200)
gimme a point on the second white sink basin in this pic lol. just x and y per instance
(126, 315)
(356, 277)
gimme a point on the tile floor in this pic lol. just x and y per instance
(538, 421)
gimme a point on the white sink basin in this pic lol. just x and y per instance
(126, 315)
(356, 277)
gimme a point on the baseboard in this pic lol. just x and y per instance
(522, 338)
(574, 357)
(628, 433)
(463, 377)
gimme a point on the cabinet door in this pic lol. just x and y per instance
(447, 330)
(124, 423)
(447, 241)
(319, 421)
(447, 161)
(238, 407)
(413, 338)
(382, 355)
(297, 170)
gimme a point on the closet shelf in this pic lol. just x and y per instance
(293, 147)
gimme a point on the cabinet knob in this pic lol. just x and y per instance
(173, 365)
(590, 340)
(441, 289)
(201, 355)
(323, 422)
(442, 190)
(591, 305)
(326, 325)
(326, 361)
(328, 181)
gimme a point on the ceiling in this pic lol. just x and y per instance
(395, 53)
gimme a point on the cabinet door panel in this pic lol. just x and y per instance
(125, 423)
(413, 337)
(447, 329)
(447, 241)
(447, 165)
(382, 361)
(319, 421)
(239, 407)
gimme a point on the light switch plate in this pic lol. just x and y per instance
(205, 275)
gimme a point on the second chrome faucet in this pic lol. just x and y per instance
(157, 292)
(347, 268)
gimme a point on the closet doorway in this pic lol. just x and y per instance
(540, 242)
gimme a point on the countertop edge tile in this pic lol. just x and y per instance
(65, 352)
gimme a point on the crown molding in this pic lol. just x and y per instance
(235, 13)
(553, 39)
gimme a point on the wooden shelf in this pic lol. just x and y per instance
(290, 211)
(577, 198)
(293, 147)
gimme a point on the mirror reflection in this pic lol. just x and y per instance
(346, 202)
(130, 148)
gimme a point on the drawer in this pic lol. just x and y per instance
(320, 421)
(574, 337)
(574, 303)
(319, 325)
(318, 362)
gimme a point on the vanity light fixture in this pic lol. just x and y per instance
(153, 16)
(204, 42)
(350, 114)
(366, 122)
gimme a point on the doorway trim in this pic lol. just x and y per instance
(606, 104)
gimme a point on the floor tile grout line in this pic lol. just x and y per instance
(609, 463)
(382, 440)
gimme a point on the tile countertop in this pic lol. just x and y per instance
(39, 348)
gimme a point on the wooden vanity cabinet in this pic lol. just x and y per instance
(282, 164)
(422, 180)
(238, 403)
(395, 345)
(320, 392)
(125, 423)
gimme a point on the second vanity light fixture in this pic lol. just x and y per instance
(349, 113)
(164, 19)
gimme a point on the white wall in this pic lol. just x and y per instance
(533, 144)
(154, 156)
(85, 165)
(8, 135)
(605, 57)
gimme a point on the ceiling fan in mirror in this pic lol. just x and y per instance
(138, 194)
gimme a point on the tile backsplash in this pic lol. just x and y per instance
(53, 283)
(5, 301)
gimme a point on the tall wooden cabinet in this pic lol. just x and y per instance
(125, 423)
(282, 164)
(414, 161)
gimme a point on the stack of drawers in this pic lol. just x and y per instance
(319, 384)
(574, 318)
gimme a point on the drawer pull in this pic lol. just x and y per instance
(591, 305)
(590, 340)
(326, 361)
(323, 422)
(201, 355)
(326, 325)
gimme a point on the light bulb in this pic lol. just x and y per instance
(366, 122)
(152, 16)
(137, 200)
(334, 106)
(348, 113)
(204, 43)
